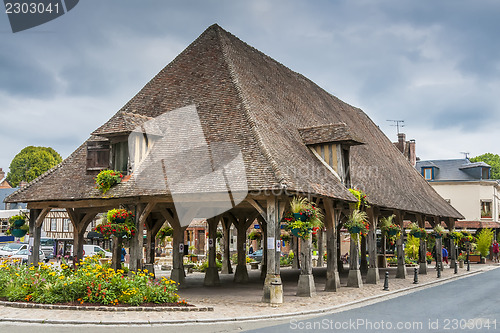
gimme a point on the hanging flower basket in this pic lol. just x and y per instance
(119, 215)
(354, 230)
(304, 216)
(300, 217)
(18, 232)
(18, 223)
(107, 179)
(392, 232)
(417, 234)
(302, 233)
(437, 235)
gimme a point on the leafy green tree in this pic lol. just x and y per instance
(493, 160)
(30, 163)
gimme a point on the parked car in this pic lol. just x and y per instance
(10, 248)
(257, 255)
(23, 255)
(90, 250)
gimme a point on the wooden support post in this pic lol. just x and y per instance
(401, 270)
(340, 263)
(212, 272)
(321, 251)
(439, 244)
(306, 287)
(263, 264)
(35, 233)
(363, 266)
(452, 252)
(226, 252)
(117, 252)
(372, 276)
(422, 250)
(273, 288)
(332, 216)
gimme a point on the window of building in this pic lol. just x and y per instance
(485, 173)
(66, 225)
(53, 224)
(120, 156)
(139, 145)
(428, 173)
(97, 155)
(486, 209)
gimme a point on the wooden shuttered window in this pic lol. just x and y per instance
(98, 155)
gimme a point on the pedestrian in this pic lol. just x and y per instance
(250, 251)
(124, 253)
(495, 251)
(445, 255)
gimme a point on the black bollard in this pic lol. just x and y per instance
(386, 281)
(415, 276)
(456, 267)
(439, 269)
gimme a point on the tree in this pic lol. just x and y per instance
(30, 163)
(491, 159)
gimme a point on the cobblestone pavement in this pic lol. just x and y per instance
(243, 301)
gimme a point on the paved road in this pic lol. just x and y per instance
(466, 305)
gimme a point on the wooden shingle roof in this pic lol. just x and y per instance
(248, 99)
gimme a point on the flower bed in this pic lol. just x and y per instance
(91, 283)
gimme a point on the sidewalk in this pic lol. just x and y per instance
(231, 302)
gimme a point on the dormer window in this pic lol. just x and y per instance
(331, 144)
(485, 174)
(428, 173)
(98, 155)
(120, 161)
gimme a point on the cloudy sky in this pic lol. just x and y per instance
(433, 64)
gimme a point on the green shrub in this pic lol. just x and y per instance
(412, 246)
(484, 239)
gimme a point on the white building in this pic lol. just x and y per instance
(468, 188)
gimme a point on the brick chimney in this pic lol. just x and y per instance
(407, 148)
(401, 142)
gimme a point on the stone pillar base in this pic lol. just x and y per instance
(178, 275)
(401, 272)
(211, 277)
(372, 277)
(241, 274)
(332, 281)
(452, 263)
(423, 268)
(273, 283)
(306, 287)
(354, 279)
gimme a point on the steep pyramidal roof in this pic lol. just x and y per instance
(246, 98)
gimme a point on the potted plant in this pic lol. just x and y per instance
(119, 215)
(298, 207)
(106, 179)
(416, 231)
(302, 224)
(438, 231)
(18, 227)
(428, 257)
(456, 236)
(357, 224)
(108, 226)
(254, 235)
(461, 259)
(389, 228)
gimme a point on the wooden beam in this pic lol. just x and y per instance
(257, 206)
(41, 217)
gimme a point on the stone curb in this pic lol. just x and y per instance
(336, 308)
(25, 305)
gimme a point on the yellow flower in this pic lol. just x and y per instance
(61, 277)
